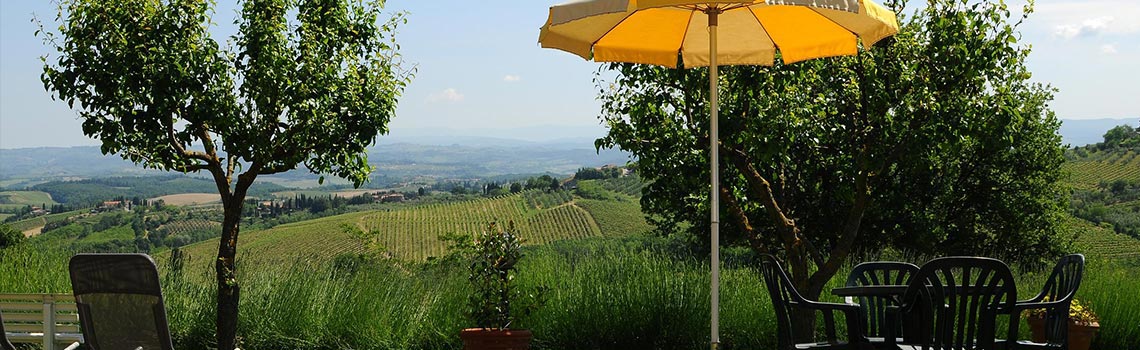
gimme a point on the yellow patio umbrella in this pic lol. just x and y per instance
(750, 32)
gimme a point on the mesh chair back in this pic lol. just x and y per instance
(120, 302)
(4, 343)
(955, 302)
(879, 273)
(1061, 286)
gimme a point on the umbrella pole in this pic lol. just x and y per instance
(714, 195)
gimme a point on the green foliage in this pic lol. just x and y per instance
(607, 172)
(935, 140)
(10, 236)
(307, 82)
(590, 189)
(1122, 136)
(496, 302)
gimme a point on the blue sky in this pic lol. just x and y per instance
(479, 67)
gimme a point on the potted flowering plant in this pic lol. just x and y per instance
(496, 302)
(1083, 325)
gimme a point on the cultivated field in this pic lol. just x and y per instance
(413, 233)
(187, 199)
(20, 199)
(1103, 166)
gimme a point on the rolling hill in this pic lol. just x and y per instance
(413, 233)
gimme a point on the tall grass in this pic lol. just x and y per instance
(1113, 291)
(30, 268)
(605, 293)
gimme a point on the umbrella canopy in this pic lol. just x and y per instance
(655, 32)
(659, 31)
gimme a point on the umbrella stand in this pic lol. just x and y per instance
(714, 159)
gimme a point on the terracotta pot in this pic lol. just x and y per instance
(494, 339)
(1080, 335)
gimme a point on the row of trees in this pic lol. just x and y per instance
(588, 173)
(495, 188)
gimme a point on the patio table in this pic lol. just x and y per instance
(887, 290)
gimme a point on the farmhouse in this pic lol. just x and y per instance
(37, 211)
(392, 197)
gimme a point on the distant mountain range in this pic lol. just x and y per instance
(413, 152)
(440, 154)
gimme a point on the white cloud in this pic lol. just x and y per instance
(511, 78)
(1088, 27)
(1108, 49)
(448, 95)
(1070, 19)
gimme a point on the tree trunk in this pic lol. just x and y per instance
(228, 290)
(803, 320)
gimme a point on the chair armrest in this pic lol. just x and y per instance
(1026, 305)
(852, 314)
(1037, 298)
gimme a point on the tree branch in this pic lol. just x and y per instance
(760, 188)
(737, 212)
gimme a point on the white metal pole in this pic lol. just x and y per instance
(714, 195)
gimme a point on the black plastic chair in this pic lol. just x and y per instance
(4, 343)
(879, 273)
(119, 301)
(954, 303)
(786, 299)
(1056, 297)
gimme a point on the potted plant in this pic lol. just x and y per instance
(1083, 325)
(496, 302)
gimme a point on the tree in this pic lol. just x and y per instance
(309, 82)
(933, 141)
(1121, 136)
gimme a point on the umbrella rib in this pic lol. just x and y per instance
(595, 42)
(829, 19)
(766, 33)
(681, 48)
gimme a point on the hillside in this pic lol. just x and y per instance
(1105, 183)
(1087, 168)
(413, 233)
(1100, 242)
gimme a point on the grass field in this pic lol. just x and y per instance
(20, 199)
